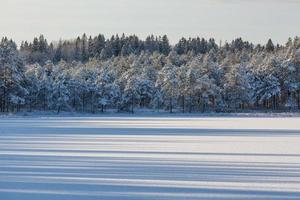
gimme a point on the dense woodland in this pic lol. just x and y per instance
(125, 73)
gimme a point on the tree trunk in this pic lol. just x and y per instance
(74, 100)
(4, 99)
(171, 106)
(92, 103)
(58, 109)
(190, 106)
(183, 103)
(298, 99)
(213, 103)
(132, 103)
(44, 100)
(83, 102)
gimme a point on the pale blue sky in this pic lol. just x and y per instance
(254, 20)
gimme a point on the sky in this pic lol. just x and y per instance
(253, 20)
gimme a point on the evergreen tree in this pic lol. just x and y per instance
(270, 46)
(12, 84)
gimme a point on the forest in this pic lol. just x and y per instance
(126, 74)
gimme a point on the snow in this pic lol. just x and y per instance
(149, 157)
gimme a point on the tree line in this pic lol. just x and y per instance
(125, 73)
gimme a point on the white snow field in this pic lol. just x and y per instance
(140, 158)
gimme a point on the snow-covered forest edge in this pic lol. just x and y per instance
(146, 114)
(127, 74)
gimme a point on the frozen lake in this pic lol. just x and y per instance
(111, 158)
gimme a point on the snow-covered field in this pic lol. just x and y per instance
(149, 158)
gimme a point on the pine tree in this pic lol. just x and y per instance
(12, 77)
(270, 46)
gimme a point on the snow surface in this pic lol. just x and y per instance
(89, 158)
